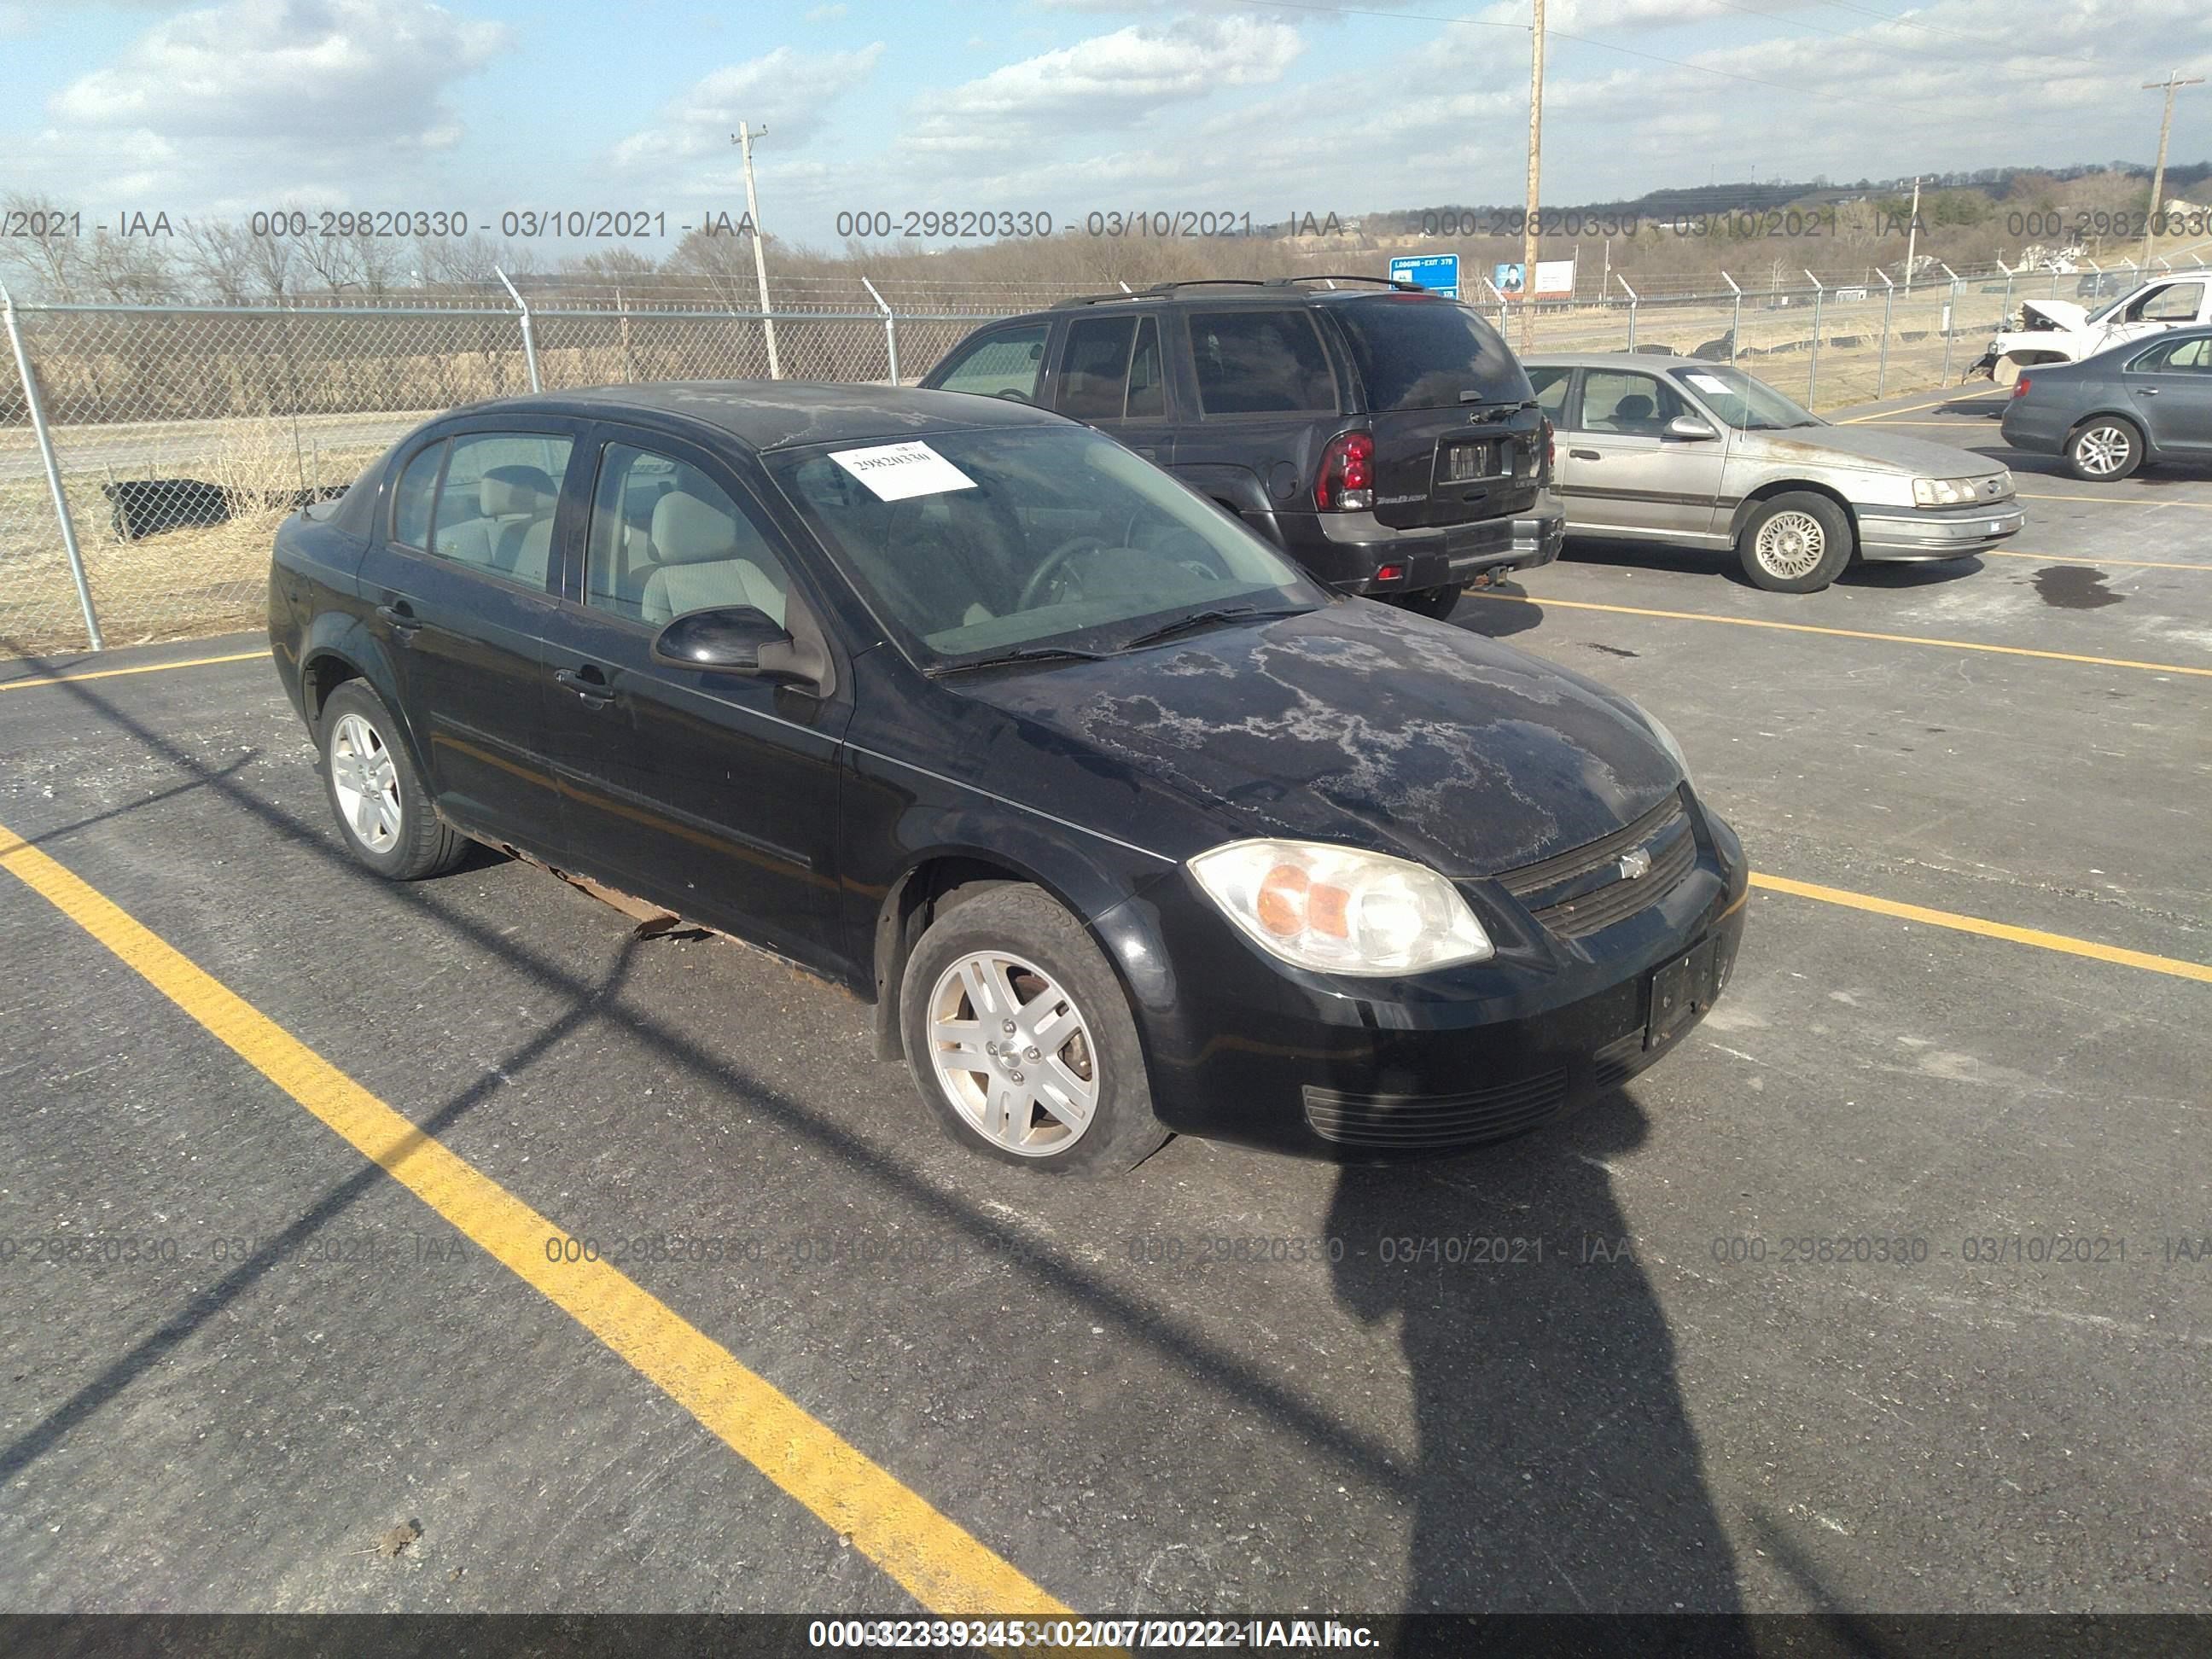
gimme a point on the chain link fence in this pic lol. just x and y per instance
(181, 436)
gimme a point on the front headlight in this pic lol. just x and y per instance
(1945, 492)
(1341, 910)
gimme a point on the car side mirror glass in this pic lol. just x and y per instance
(727, 641)
(1690, 427)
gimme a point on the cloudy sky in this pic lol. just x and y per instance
(1059, 106)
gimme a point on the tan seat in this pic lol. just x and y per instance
(703, 564)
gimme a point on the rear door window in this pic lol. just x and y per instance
(1415, 352)
(494, 509)
(1550, 387)
(1094, 371)
(1011, 361)
(1261, 362)
(411, 502)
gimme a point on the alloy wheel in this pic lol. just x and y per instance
(366, 783)
(1790, 545)
(2103, 451)
(1013, 1053)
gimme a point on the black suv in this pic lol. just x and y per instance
(1387, 440)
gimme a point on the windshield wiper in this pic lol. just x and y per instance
(1202, 618)
(1027, 653)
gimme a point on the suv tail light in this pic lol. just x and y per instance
(1551, 447)
(2019, 387)
(1346, 483)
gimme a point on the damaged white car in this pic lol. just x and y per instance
(2062, 331)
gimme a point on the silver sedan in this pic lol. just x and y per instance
(1675, 449)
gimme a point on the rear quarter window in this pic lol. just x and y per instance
(1261, 362)
(1412, 352)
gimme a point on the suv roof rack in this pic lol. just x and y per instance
(1392, 283)
(1161, 290)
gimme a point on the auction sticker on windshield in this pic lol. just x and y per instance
(1707, 383)
(895, 472)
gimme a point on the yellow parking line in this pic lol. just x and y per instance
(2090, 558)
(1846, 632)
(941, 1564)
(2073, 947)
(111, 673)
(2112, 501)
(1958, 397)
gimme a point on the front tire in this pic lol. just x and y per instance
(1021, 1040)
(384, 813)
(1795, 544)
(2104, 449)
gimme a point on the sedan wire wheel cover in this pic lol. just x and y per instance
(2103, 450)
(1791, 545)
(367, 786)
(1013, 1053)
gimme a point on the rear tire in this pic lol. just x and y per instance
(1437, 602)
(1795, 544)
(2104, 449)
(384, 813)
(1064, 1092)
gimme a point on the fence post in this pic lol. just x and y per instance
(1950, 319)
(37, 414)
(1499, 295)
(1623, 280)
(2005, 316)
(1881, 362)
(1813, 376)
(1736, 313)
(529, 340)
(890, 329)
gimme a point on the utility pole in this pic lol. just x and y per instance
(743, 138)
(2172, 84)
(1912, 234)
(1535, 170)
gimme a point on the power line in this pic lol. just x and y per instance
(1904, 22)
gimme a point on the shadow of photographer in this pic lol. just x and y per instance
(1557, 1470)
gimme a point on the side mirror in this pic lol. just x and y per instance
(739, 640)
(1690, 427)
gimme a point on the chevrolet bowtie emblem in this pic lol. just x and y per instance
(1634, 864)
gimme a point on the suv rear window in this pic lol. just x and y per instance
(1418, 353)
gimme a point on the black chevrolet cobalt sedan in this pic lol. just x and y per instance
(1124, 825)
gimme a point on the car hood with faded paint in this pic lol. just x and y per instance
(1863, 449)
(1353, 724)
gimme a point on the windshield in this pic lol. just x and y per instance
(970, 545)
(1746, 404)
(1416, 352)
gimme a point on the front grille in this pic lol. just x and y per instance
(1414, 1121)
(1570, 903)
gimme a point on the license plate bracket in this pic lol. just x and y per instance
(1679, 990)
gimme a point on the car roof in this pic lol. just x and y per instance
(765, 414)
(1608, 360)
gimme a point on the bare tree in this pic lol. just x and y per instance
(49, 255)
(218, 261)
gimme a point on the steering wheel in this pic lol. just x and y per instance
(1013, 396)
(1050, 565)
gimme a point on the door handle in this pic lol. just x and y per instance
(1585, 454)
(404, 621)
(588, 683)
(2149, 391)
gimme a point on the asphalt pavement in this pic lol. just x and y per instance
(1644, 1360)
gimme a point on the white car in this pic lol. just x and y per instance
(2062, 331)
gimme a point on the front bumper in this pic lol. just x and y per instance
(1344, 550)
(1891, 533)
(1242, 1047)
